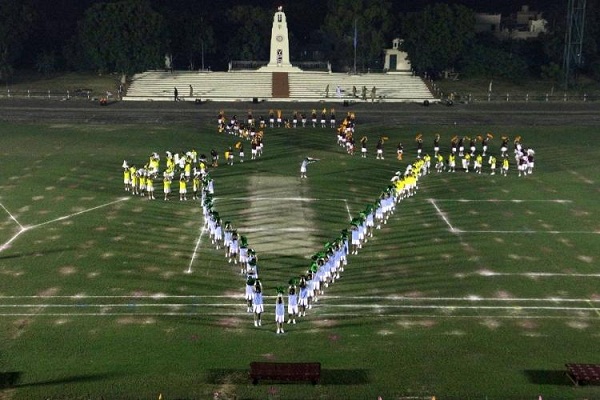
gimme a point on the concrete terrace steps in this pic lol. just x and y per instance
(253, 85)
(390, 87)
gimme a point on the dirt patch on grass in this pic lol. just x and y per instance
(503, 294)
(135, 321)
(409, 324)
(67, 270)
(325, 323)
(232, 323)
(491, 324)
(579, 325)
(527, 324)
(49, 292)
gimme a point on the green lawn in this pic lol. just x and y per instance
(105, 295)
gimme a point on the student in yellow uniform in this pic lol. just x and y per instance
(478, 163)
(451, 162)
(167, 185)
(187, 169)
(134, 179)
(127, 178)
(439, 165)
(196, 185)
(505, 166)
(182, 188)
(150, 187)
(492, 162)
(142, 180)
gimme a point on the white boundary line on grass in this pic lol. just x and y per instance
(454, 230)
(326, 314)
(560, 201)
(12, 216)
(262, 198)
(274, 229)
(78, 213)
(537, 274)
(590, 306)
(348, 209)
(5, 245)
(376, 307)
(530, 232)
(201, 311)
(379, 298)
(443, 216)
(593, 307)
(189, 270)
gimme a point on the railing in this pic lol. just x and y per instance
(238, 65)
(58, 94)
(505, 97)
(518, 97)
(313, 66)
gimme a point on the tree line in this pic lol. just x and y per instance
(129, 36)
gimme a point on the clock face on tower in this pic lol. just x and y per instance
(279, 38)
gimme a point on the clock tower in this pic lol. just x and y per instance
(279, 59)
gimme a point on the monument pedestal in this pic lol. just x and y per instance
(279, 60)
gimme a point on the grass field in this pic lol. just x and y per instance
(479, 286)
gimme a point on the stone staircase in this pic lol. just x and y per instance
(268, 86)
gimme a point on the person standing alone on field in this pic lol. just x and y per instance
(257, 303)
(279, 312)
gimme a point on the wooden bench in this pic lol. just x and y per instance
(281, 371)
(583, 373)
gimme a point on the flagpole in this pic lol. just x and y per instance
(355, 43)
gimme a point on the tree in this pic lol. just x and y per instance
(492, 62)
(252, 32)
(192, 36)
(124, 36)
(363, 23)
(436, 38)
(15, 23)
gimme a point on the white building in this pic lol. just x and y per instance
(396, 60)
(524, 24)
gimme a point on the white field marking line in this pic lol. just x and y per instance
(443, 216)
(537, 274)
(348, 209)
(79, 213)
(26, 228)
(260, 198)
(468, 298)
(457, 230)
(526, 232)
(274, 229)
(594, 308)
(132, 297)
(326, 314)
(379, 298)
(357, 306)
(560, 201)
(132, 305)
(9, 241)
(189, 270)
(197, 307)
(12, 216)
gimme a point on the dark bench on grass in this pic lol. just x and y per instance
(583, 373)
(281, 371)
